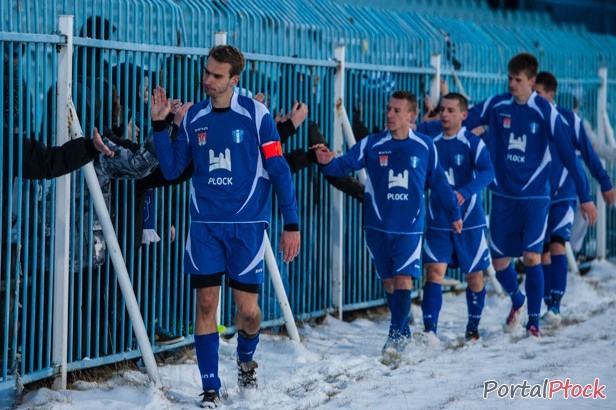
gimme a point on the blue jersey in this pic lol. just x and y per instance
(562, 186)
(398, 173)
(468, 168)
(518, 141)
(233, 173)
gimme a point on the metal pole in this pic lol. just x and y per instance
(59, 349)
(337, 207)
(281, 294)
(601, 214)
(573, 266)
(350, 138)
(435, 86)
(115, 255)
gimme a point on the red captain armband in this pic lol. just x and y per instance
(272, 149)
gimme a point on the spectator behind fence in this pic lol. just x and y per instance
(400, 165)
(563, 201)
(233, 142)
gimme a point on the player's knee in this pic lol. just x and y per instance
(557, 245)
(434, 276)
(475, 281)
(501, 263)
(207, 303)
(532, 259)
(248, 312)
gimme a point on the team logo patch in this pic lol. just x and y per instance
(458, 159)
(238, 135)
(534, 127)
(202, 138)
(506, 122)
(414, 162)
(383, 160)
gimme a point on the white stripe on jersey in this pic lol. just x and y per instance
(193, 195)
(547, 157)
(202, 113)
(370, 190)
(235, 106)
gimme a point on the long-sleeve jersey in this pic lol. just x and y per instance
(518, 144)
(468, 168)
(237, 157)
(562, 186)
(398, 173)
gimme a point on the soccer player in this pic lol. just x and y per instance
(237, 156)
(466, 162)
(400, 164)
(521, 126)
(562, 205)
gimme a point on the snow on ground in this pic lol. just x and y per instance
(337, 366)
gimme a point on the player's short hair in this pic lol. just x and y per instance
(408, 96)
(462, 101)
(231, 55)
(548, 81)
(523, 63)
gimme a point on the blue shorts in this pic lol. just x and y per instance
(236, 249)
(517, 225)
(394, 254)
(467, 250)
(560, 220)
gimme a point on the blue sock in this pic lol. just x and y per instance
(475, 302)
(431, 305)
(206, 349)
(390, 300)
(547, 285)
(400, 314)
(534, 292)
(509, 281)
(246, 345)
(559, 279)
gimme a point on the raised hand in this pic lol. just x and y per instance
(161, 105)
(100, 145)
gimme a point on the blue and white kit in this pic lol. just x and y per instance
(467, 164)
(398, 173)
(237, 157)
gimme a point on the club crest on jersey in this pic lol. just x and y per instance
(383, 160)
(400, 180)
(507, 122)
(414, 162)
(238, 135)
(202, 138)
(517, 143)
(534, 127)
(458, 159)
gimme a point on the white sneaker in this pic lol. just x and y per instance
(514, 318)
(551, 318)
(427, 338)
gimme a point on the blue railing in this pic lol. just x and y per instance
(289, 47)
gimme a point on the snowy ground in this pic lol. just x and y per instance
(337, 364)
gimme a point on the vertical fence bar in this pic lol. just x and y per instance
(63, 188)
(601, 214)
(337, 208)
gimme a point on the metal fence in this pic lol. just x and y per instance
(123, 46)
